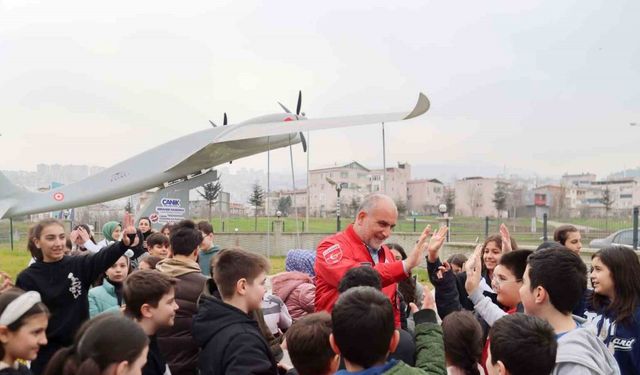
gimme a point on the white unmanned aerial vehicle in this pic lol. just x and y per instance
(182, 157)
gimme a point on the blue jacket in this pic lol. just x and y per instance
(102, 298)
(621, 339)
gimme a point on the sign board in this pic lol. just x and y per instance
(170, 210)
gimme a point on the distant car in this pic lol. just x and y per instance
(622, 237)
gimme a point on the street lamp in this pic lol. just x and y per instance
(443, 211)
(338, 189)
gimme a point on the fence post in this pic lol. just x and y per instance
(448, 227)
(414, 224)
(544, 227)
(635, 228)
(223, 226)
(486, 226)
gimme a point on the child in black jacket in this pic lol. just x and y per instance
(63, 281)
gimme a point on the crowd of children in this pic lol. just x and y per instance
(145, 302)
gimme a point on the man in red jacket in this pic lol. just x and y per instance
(362, 244)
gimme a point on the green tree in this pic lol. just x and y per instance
(500, 197)
(256, 199)
(284, 205)
(450, 200)
(210, 194)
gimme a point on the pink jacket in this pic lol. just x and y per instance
(297, 291)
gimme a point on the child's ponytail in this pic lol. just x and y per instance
(104, 340)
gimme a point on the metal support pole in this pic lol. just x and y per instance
(449, 231)
(338, 210)
(384, 162)
(11, 232)
(544, 227)
(414, 224)
(635, 228)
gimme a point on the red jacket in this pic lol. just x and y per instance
(342, 251)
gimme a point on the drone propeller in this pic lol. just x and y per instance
(298, 108)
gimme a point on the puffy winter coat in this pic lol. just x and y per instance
(297, 290)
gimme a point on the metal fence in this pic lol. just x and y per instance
(526, 231)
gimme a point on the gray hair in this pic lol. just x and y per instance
(373, 200)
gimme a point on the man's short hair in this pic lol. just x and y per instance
(372, 200)
(185, 238)
(308, 344)
(363, 325)
(156, 239)
(205, 227)
(561, 273)
(525, 344)
(231, 265)
(516, 262)
(360, 276)
(145, 286)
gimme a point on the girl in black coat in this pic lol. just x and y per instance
(64, 281)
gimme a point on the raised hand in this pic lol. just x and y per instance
(436, 242)
(444, 268)
(5, 282)
(128, 227)
(506, 238)
(428, 301)
(74, 236)
(83, 234)
(416, 255)
(473, 267)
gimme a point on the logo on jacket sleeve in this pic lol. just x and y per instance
(333, 254)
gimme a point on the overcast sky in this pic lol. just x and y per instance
(542, 87)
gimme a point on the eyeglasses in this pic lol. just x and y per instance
(497, 282)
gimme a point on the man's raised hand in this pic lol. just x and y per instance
(416, 255)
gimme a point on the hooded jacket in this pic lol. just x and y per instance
(297, 291)
(103, 298)
(204, 259)
(176, 343)
(230, 341)
(581, 352)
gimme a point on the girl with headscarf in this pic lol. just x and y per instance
(296, 286)
(111, 231)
